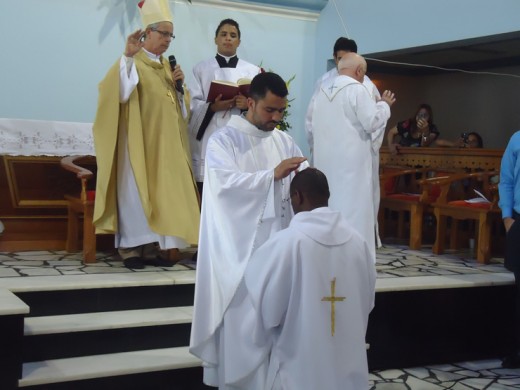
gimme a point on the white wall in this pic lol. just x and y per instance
(55, 52)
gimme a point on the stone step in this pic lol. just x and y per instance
(107, 320)
(107, 365)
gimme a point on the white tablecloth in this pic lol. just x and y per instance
(22, 137)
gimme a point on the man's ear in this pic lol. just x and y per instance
(298, 197)
(250, 103)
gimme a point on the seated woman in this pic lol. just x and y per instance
(466, 140)
(416, 131)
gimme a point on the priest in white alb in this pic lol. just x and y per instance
(343, 46)
(345, 116)
(249, 166)
(312, 286)
(210, 116)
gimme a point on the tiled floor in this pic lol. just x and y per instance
(56, 263)
(484, 374)
(395, 264)
(392, 262)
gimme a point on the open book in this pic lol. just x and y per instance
(228, 89)
(480, 199)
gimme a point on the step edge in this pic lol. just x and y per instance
(58, 370)
(35, 326)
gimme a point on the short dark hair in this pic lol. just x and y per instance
(313, 183)
(267, 81)
(345, 44)
(228, 21)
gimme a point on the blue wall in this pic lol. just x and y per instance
(57, 51)
(382, 25)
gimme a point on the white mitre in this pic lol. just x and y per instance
(154, 11)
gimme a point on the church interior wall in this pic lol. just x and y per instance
(379, 25)
(461, 102)
(57, 51)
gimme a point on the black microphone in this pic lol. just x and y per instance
(178, 83)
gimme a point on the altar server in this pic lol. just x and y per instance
(209, 116)
(346, 116)
(312, 287)
(249, 166)
(145, 193)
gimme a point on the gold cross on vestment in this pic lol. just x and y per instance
(171, 96)
(332, 299)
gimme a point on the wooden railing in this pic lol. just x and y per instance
(449, 158)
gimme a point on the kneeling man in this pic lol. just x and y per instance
(312, 286)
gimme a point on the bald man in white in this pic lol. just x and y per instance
(345, 116)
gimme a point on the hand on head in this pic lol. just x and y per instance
(287, 166)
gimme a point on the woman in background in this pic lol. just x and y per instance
(417, 131)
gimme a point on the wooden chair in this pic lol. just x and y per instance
(81, 205)
(460, 209)
(415, 198)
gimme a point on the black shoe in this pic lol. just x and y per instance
(511, 361)
(133, 263)
(159, 262)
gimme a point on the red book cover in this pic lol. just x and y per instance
(228, 89)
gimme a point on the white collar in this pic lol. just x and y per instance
(243, 125)
(152, 56)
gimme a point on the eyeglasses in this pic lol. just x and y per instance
(165, 34)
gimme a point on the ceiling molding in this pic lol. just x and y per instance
(267, 9)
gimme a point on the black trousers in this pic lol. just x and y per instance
(512, 263)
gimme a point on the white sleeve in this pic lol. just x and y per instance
(128, 78)
(372, 116)
(308, 120)
(198, 104)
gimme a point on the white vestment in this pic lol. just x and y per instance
(289, 279)
(133, 228)
(242, 205)
(346, 116)
(204, 73)
(377, 136)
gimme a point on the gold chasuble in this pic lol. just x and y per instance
(158, 149)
